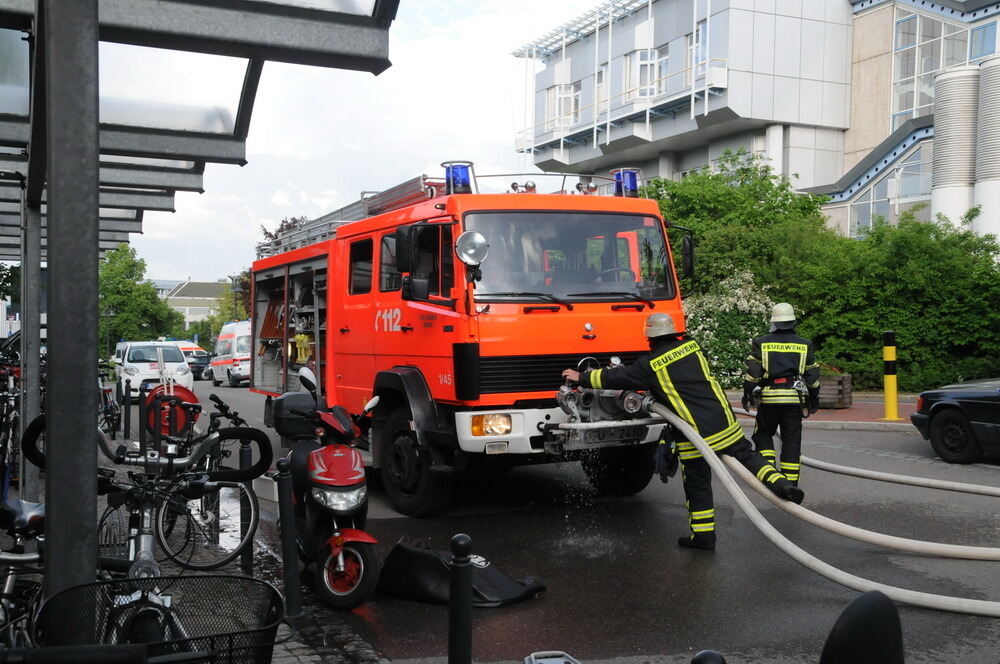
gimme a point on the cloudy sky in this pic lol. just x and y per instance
(319, 137)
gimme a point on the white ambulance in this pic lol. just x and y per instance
(231, 360)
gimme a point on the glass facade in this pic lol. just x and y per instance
(901, 188)
(924, 46)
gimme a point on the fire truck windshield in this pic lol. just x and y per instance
(574, 256)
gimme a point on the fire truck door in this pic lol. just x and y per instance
(351, 342)
(416, 321)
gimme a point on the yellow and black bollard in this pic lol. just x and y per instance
(889, 379)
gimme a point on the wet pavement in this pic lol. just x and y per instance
(620, 589)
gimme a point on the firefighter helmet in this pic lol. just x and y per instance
(783, 317)
(658, 325)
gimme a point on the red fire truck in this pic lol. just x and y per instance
(460, 310)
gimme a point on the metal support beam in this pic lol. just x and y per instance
(10, 220)
(168, 144)
(144, 142)
(8, 235)
(35, 171)
(149, 200)
(275, 32)
(31, 337)
(71, 122)
(175, 179)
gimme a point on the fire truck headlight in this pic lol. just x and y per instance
(471, 248)
(492, 424)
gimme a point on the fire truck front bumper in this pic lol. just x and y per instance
(541, 431)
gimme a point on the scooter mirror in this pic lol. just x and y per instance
(308, 380)
(370, 406)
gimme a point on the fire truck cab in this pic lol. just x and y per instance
(460, 310)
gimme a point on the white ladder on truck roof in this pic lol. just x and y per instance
(322, 228)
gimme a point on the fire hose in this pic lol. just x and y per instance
(902, 595)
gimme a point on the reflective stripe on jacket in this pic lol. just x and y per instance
(775, 360)
(678, 375)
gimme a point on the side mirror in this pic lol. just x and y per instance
(116, 360)
(687, 256)
(404, 249)
(370, 406)
(415, 288)
(308, 380)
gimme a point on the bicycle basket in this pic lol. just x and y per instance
(215, 618)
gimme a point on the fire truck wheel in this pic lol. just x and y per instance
(413, 488)
(619, 471)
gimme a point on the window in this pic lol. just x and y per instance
(923, 46)
(224, 347)
(361, 268)
(601, 89)
(562, 105)
(434, 264)
(983, 41)
(389, 278)
(914, 173)
(645, 71)
(906, 32)
(697, 52)
(573, 255)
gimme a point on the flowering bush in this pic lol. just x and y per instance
(725, 319)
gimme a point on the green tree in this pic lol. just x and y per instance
(10, 281)
(129, 307)
(936, 284)
(740, 213)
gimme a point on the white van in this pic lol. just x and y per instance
(231, 361)
(138, 362)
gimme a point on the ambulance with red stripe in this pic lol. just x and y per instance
(231, 360)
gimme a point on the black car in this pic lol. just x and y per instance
(962, 421)
(197, 361)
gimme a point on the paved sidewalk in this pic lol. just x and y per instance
(866, 413)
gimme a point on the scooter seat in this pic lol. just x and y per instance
(19, 517)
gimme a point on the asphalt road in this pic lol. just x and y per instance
(618, 587)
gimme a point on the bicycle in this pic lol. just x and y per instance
(109, 412)
(205, 532)
(137, 609)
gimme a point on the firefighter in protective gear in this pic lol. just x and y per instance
(777, 361)
(676, 372)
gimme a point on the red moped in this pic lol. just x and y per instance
(330, 494)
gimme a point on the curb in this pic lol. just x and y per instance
(834, 425)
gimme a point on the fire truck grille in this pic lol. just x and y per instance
(534, 373)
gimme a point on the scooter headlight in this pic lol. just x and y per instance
(340, 500)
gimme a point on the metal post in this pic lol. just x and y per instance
(289, 550)
(31, 336)
(460, 601)
(127, 407)
(142, 423)
(889, 380)
(71, 121)
(157, 411)
(246, 556)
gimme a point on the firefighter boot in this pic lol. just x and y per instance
(702, 541)
(789, 491)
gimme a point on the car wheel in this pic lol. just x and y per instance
(233, 380)
(952, 437)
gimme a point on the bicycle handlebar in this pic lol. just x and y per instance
(8, 558)
(29, 446)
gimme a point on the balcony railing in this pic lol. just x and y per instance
(687, 87)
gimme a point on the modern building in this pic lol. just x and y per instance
(197, 300)
(882, 105)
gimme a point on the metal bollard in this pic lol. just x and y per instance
(246, 556)
(127, 407)
(143, 444)
(889, 379)
(460, 601)
(289, 551)
(158, 411)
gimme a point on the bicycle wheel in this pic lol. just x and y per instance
(204, 533)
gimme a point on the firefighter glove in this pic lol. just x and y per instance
(813, 399)
(747, 393)
(666, 461)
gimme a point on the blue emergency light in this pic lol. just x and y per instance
(458, 177)
(626, 182)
